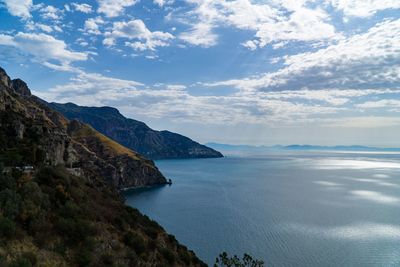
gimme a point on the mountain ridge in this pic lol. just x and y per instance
(298, 147)
(135, 134)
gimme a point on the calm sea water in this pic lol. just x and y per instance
(327, 209)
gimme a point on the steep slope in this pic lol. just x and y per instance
(64, 209)
(136, 135)
(43, 135)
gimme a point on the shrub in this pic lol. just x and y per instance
(39, 227)
(184, 256)
(135, 241)
(7, 227)
(9, 203)
(172, 239)
(150, 231)
(247, 261)
(107, 259)
(70, 210)
(29, 255)
(83, 258)
(6, 181)
(75, 231)
(21, 262)
(168, 255)
(151, 245)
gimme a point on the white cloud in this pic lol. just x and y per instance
(366, 121)
(364, 8)
(251, 44)
(174, 101)
(44, 49)
(114, 8)
(302, 25)
(51, 13)
(19, 8)
(201, 35)
(90, 89)
(359, 61)
(274, 22)
(162, 3)
(34, 26)
(137, 30)
(334, 97)
(109, 41)
(92, 25)
(392, 104)
(84, 8)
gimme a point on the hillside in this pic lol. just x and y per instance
(135, 134)
(31, 134)
(59, 204)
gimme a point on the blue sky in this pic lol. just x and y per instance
(239, 71)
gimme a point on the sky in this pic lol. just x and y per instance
(324, 72)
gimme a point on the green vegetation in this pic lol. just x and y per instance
(224, 260)
(53, 218)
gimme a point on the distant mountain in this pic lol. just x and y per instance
(259, 149)
(340, 148)
(135, 134)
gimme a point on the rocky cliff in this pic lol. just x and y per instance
(32, 133)
(135, 134)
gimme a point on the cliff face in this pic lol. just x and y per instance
(32, 133)
(119, 163)
(136, 135)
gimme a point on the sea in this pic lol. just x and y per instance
(285, 208)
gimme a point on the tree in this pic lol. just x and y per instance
(9, 203)
(7, 227)
(224, 260)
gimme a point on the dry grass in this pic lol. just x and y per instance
(110, 145)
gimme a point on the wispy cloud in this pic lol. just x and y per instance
(19, 8)
(136, 30)
(114, 8)
(44, 49)
(362, 60)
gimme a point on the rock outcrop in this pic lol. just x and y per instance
(5, 81)
(20, 87)
(136, 135)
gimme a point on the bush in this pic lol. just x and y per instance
(107, 259)
(70, 210)
(83, 258)
(247, 261)
(21, 262)
(184, 256)
(150, 231)
(135, 241)
(9, 203)
(75, 231)
(168, 255)
(6, 181)
(29, 255)
(7, 227)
